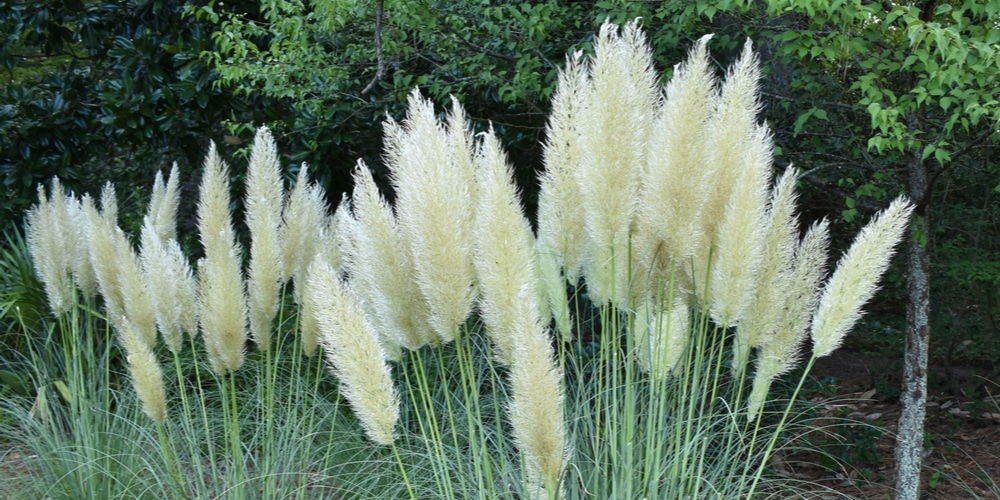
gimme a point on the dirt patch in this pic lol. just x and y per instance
(962, 430)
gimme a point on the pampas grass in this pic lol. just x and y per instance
(221, 298)
(381, 266)
(856, 278)
(640, 404)
(505, 250)
(47, 225)
(264, 199)
(432, 173)
(353, 354)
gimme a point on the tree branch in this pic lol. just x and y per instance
(380, 70)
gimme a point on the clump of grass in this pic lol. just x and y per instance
(646, 401)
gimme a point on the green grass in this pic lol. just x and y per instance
(277, 428)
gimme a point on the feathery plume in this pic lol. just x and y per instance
(306, 211)
(536, 407)
(80, 264)
(147, 378)
(674, 189)
(505, 250)
(172, 287)
(742, 233)
(163, 205)
(100, 232)
(761, 319)
(620, 104)
(662, 336)
(264, 197)
(434, 190)
(856, 278)
(561, 227)
(730, 128)
(222, 301)
(779, 352)
(382, 270)
(134, 289)
(48, 223)
(353, 353)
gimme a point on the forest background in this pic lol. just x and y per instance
(869, 99)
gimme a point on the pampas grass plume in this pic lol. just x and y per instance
(163, 205)
(135, 289)
(147, 378)
(381, 267)
(561, 227)
(47, 225)
(435, 192)
(621, 103)
(305, 212)
(171, 287)
(536, 407)
(353, 353)
(222, 301)
(662, 336)
(741, 234)
(799, 286)
(505, 249)
(761, 320)
(100, 231)
(674, 190)
(264, 198)
(856, 278)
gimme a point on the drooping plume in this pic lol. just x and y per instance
(353, 353)
(856, 278)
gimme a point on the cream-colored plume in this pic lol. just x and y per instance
(742, 231)
(48, 224)
(147, 378)
(382, 269)
(761, 319)
(353, 353)
(135, 289)
(621, 104)
(306, 211)
(222, 301)
(731, 128)
(172, 287)
(536, 407)
(432, 173)
(561, 226)
(779, 351)
(163, 205)
(505, 249)
(263, 204)
(674, 188)
(856, 278)
(82, 267)
(662, 336)
(100, 231)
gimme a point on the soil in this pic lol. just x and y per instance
(962, 430)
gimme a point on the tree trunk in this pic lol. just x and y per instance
(910, 434)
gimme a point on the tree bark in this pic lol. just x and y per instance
(910, 434)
